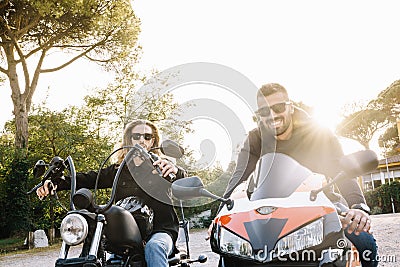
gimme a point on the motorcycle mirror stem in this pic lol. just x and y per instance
(352, 165)
(228, 202)
(314, 193)
(201, 259)
(170, 148)
(192, 187)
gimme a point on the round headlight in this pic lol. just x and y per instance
(74, 229)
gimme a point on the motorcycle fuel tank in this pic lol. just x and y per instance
(121, 228)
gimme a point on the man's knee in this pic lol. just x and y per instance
(156, 245)
(159, 243)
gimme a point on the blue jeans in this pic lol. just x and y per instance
(366, 247)
(157, 250)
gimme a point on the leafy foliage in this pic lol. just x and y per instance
(87, 133)
(52, 134)
(99, 30)
(6, 158)
(64, 133)
(16, 208)
(389, 101)
(103, 31)
(379, 113)
(380, 198)
(362, 125)
(391, 139)
(215, 180)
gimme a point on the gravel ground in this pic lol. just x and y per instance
(385, 227)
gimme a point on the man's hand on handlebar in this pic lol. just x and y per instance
(356, 221)
(47, 188)
(166, 167)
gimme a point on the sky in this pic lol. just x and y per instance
(326, 53)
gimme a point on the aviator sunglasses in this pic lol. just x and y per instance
(277, 108)
(147, 136)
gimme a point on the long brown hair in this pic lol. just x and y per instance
(127, 138)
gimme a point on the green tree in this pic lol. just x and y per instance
(66, 133)
(6, 157)
(381, 198)
(362, 125)
(16, 207)
(364, 122)
(51, 134)
(103, 31)
(391, 139)
(388, 102)
(110, 109)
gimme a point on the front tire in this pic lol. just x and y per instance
(229, 262)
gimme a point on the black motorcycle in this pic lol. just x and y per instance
(116, 229)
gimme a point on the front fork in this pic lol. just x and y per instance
(94, 247)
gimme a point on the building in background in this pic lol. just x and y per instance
(388, 170)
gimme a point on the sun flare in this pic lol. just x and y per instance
(326, 117)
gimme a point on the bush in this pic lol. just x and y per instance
(16, 209)
(381, 198)
(376, 210)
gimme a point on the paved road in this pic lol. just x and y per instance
(47, 257)
(386, 229)
(198, 245)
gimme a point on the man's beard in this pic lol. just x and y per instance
(278, 125)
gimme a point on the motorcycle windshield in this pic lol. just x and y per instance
(278, 176)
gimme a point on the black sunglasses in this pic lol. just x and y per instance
(147, 136)
(277, 108)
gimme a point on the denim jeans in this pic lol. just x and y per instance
(157, 250)
(366, 247)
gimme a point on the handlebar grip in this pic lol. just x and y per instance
(50, 187)
(52, 191)
(154, 158)
(172, 177)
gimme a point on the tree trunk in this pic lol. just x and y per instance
(21, 125)
(19, 102)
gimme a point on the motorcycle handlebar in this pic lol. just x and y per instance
(56, 169)
(58, 165)
(35, 188)
(50, 186)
